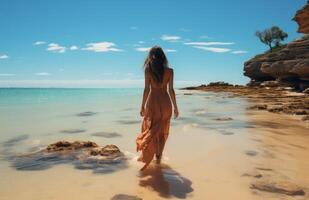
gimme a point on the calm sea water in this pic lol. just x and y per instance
(56, 113)
(42, 111)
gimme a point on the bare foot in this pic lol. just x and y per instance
(145, 166)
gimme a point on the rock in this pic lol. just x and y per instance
(69, 146)
(286, 64)
(301, 112)
(105, 151)
(15, 140)
(253, 174)
(82, 154)
(302, 19)
(306, 91)
(224, 119)
(252, 69)
(125, 197)
(275, 109)
(258, 107)
(213, 85)
(264, 169)
(251, 153)
(86, 114)
(287, 67)
(305, 118)
(278, 100)
(254, 83)
(270, 84)
(278, 187)
(73, 131)
(106, 134)
(219, 83)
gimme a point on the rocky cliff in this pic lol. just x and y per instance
(288, 65)
(302, 18)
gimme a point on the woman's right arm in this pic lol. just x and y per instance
(146, 93)
(171, 91)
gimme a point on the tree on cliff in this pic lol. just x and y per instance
(272, 36)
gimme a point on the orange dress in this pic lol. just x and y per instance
(156, 121)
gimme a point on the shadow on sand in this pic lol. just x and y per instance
(166, 181)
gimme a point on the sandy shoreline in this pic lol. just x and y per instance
(279, 161)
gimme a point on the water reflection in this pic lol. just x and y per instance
(166, 181)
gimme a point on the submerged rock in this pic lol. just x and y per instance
(86, 114)
(73, 131)
(125, 197)
(16, 140)
(106, 134)
(252, 174)
(82, 154)
(251, 153)
(223, 119)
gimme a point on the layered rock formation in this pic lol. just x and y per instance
(288, 66)
(302, 18)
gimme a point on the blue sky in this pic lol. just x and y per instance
(102, 43)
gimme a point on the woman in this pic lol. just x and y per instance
(156, 108)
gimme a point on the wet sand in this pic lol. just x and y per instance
(218, 149)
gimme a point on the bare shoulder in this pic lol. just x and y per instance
(170, 70)
(147, 71)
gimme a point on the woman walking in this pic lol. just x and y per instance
(158, 101)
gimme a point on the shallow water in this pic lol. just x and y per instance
(210, 146)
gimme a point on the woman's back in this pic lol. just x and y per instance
(160, 85)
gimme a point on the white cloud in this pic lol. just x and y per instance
(170, 38)
(101, 47)
(73, 48)
(54, 47)
(4, 56)
(209, 43)
(171, 50)
(39, 43)
(7, 74)
(213, 49)
(239, 52)
(143, 49)
(42, 74)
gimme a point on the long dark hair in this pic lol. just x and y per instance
(156, 62)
